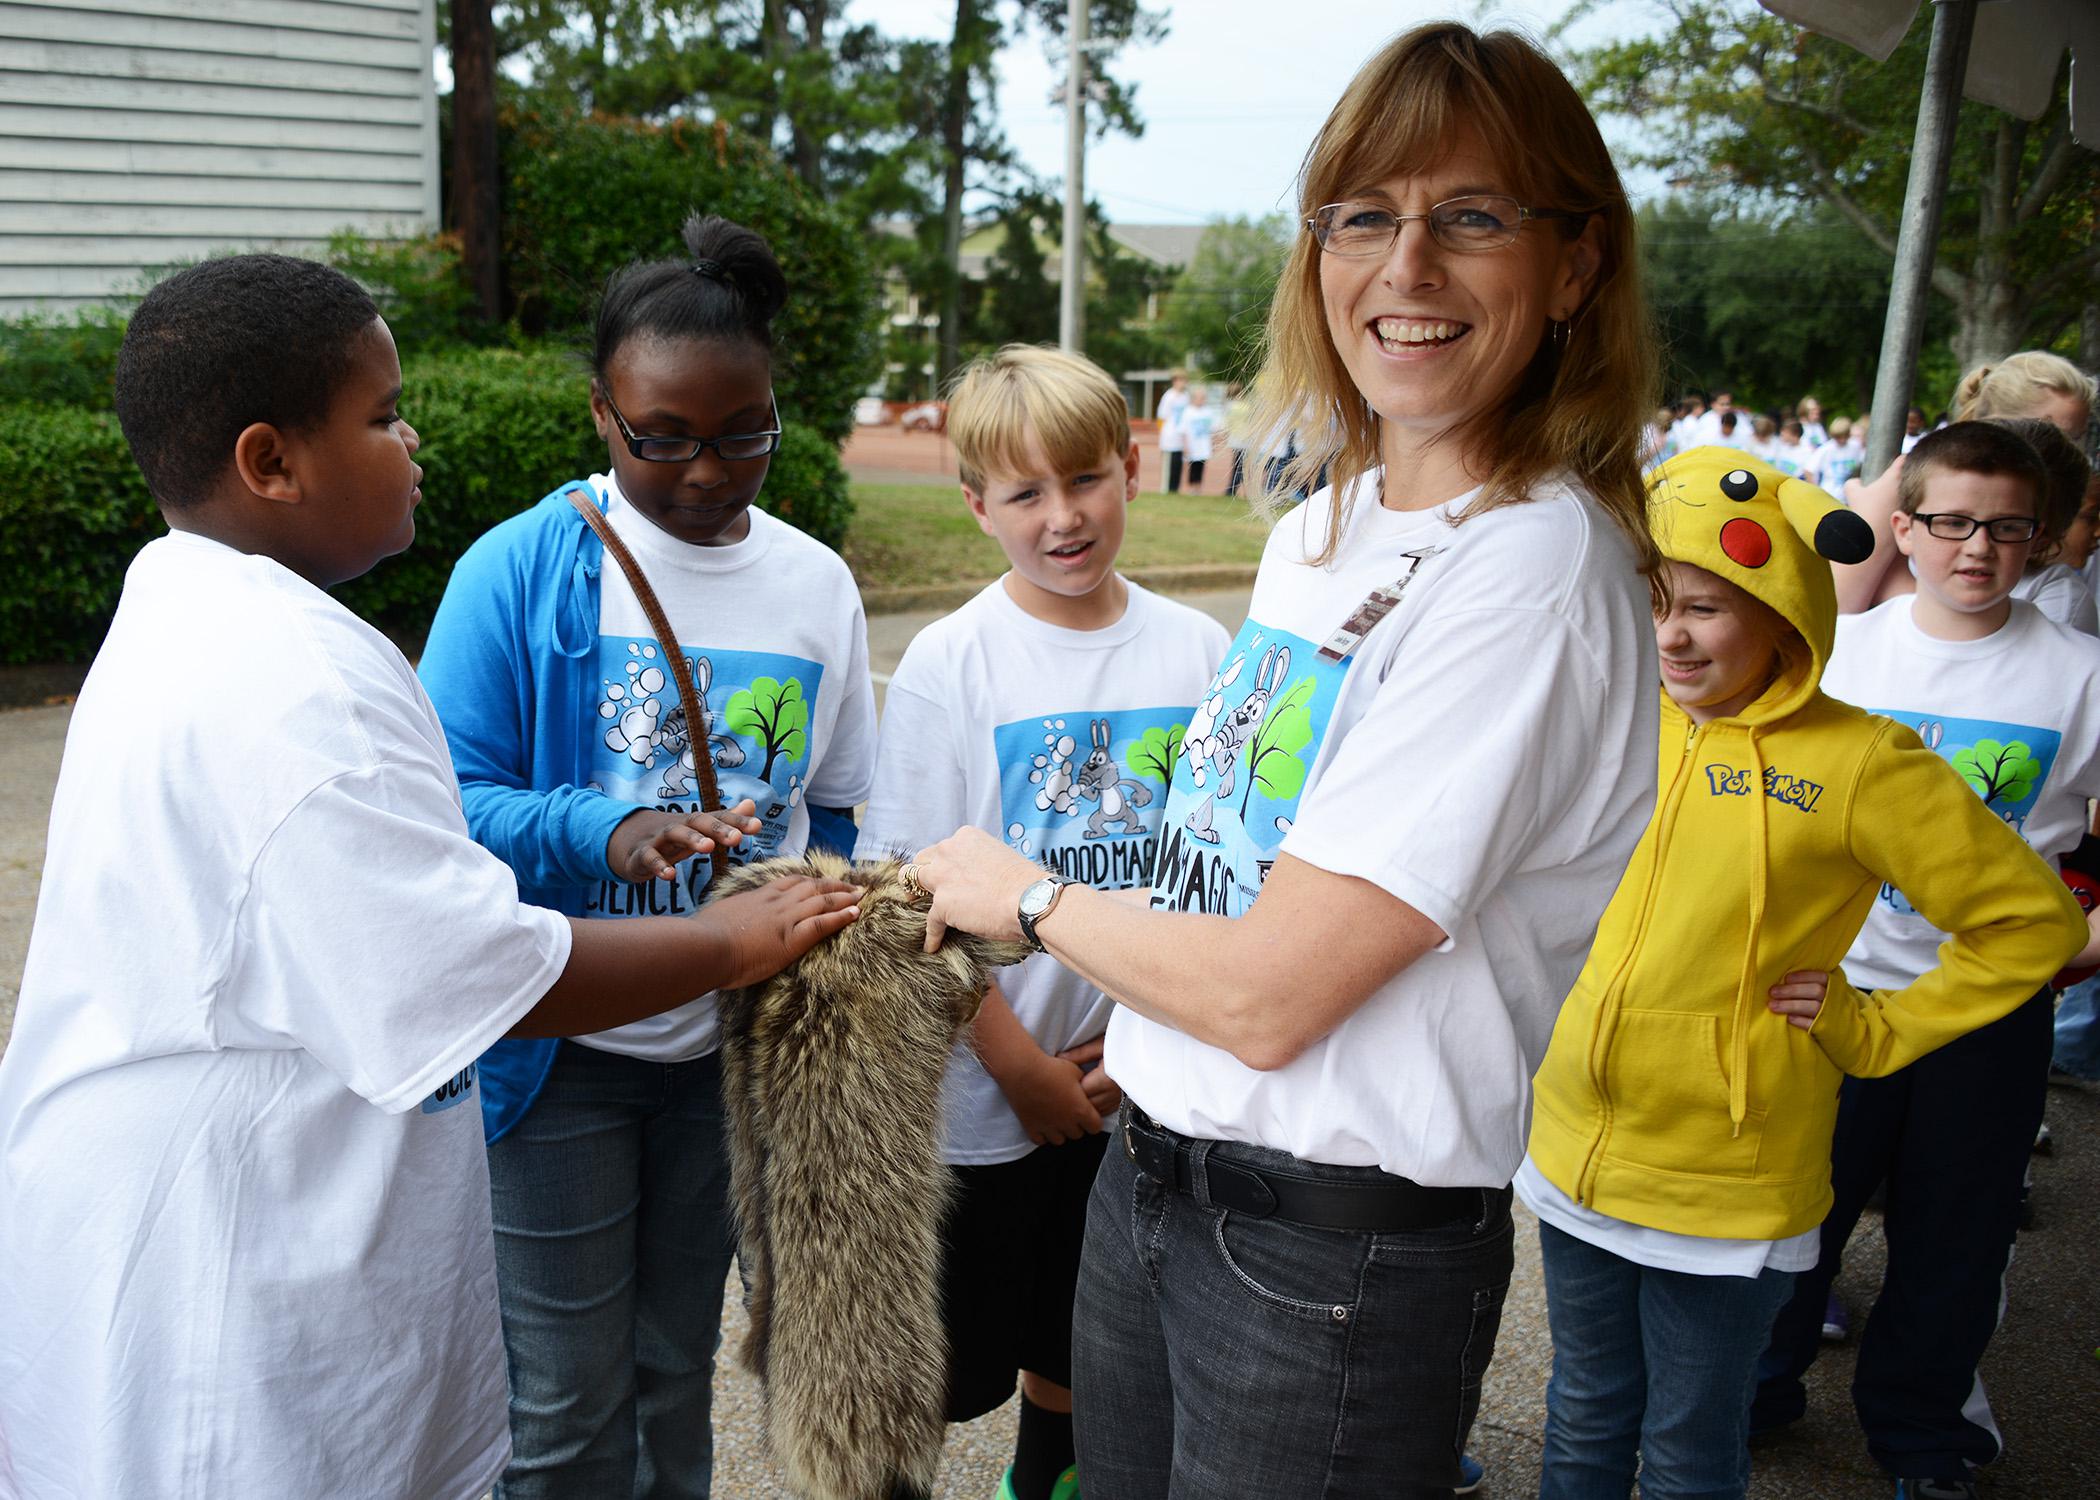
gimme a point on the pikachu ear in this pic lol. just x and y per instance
(1835, 532)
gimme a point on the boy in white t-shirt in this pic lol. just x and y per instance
(2012, 701)
(1049, 710)
(1171, 407)
(1198, 424)
(1839, 458)
(244, 1219)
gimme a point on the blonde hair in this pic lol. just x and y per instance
(2017, 386)
(1840, 429)
(1066, 403)
(1579, 410)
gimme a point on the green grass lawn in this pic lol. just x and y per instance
(907, 536)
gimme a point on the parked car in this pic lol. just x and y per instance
(927, 416)
(870, 411)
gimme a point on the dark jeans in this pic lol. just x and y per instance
(1651, 1367)
(1239, 472)
(1218, 1355)
(1173, 457)
(1950, 1135)
(611, 1201)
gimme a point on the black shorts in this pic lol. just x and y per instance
(1196, 470)
(1010, 1261)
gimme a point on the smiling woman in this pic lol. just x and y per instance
(1398, 812)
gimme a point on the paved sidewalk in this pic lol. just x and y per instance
(2042, 1371)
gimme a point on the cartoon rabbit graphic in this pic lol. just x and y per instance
(676, 739)
(1221, 747)
(1101, 780)
(1203, 722)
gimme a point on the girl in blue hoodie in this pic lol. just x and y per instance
(578, 766)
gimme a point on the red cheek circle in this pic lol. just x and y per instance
(1746, 543)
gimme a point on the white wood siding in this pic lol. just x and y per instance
(138, 133)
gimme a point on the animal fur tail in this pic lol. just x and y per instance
(832, 1077)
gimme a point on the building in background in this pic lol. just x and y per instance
(135, 134)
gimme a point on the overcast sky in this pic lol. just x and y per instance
(1230, 97)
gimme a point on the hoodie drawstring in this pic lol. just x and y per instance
(1739, 1024)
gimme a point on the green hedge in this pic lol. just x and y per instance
(499, 428)
(584, 196)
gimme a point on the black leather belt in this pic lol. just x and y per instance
(1381, 1205)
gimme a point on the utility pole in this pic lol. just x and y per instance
(1071, 307)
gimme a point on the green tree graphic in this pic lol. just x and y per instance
(774, 714)
(1999, 772)
(1273, 759)
(1154, 756)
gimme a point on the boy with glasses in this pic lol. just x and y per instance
(2012, 700)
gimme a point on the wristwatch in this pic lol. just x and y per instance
(1037, 902)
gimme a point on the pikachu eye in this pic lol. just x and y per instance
(1739, 484)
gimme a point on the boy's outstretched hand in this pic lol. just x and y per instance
(1799, 997)
(763, 931)
(649, 845)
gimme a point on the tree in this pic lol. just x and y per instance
(477, 172)
(1772, 302)
(1738, 100)
(1221, 300)
(1999, 772)
(1275, 760)
(774, 714)
(1156, 754)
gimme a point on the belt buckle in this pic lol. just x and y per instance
(1129, 1145)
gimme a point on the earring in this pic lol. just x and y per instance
(1557, 335)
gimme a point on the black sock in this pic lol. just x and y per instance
(1042, 1450)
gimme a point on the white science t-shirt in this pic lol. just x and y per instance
(1062, 742)
(244, 1202)
(2017, 714)
(1171, 406)
(1485, 755)
(772, 629)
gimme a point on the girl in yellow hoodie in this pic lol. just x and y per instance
(1680, 1141)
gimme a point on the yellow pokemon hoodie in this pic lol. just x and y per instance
(1670, 1096)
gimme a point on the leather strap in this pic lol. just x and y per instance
(1384, 1205)
(697, 726)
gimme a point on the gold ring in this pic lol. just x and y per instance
(911, 880)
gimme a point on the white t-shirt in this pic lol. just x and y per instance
(1794, 459)
(2017, 714)
(1484, 755)
(1197, 424)
(773, 630)
(1837, 462)
(244, 1202)
(1695, 1255)
(1171, 406)
(997, 720)
(2061, 592)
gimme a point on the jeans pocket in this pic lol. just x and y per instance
(1315, 1274)
(1474, 1357)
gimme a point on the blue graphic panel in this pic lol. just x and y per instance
(1083, 792)
(2005, 764)
(1244, 758)
(760, 707)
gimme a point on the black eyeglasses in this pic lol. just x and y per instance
(1484, 221)
(733, 447)
(2009, 530)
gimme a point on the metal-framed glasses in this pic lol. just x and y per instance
(730, 446)
(1482, 221)
(2008, 530)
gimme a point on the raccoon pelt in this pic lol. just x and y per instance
(832, 1084)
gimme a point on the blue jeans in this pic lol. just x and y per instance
(1215, 1354)
(613, 1238)
(1649, 1366)
(2077, 1048)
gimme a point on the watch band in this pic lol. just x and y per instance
(1028, 919)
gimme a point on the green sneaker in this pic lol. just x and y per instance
(1066, 1488)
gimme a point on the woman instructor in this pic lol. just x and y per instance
(1397, 815)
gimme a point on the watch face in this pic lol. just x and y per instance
(1036, 899)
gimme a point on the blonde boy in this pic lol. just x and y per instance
(1048, 710)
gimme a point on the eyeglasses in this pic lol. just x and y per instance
(2009, 530)
(731, 446)
(1485, 221)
